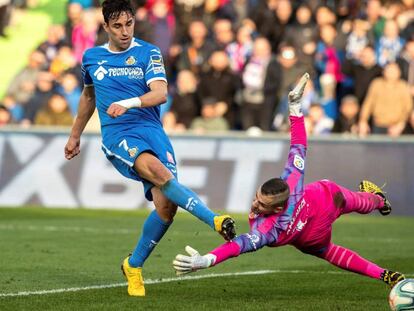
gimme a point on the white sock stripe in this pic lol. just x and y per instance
(349, 260)
(342, 257)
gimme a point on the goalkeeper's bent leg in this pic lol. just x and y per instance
(360, 202)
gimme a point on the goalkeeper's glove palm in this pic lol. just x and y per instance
(185, 264)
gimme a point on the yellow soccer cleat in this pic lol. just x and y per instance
(391, 278)
(368, 186)
(224, 225)
(134, 278)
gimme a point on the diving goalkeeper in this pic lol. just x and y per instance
(285, 211)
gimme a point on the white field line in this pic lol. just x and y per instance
(12, 227)
(166, 280)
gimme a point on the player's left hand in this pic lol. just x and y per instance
(116, 110)
(185, 264)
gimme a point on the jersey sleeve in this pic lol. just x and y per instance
(155, 69)
(294, 172)
(87, 80)
(244, 243)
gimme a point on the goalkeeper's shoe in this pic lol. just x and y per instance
(134, 278)
(391, 278)
(367, 186)
(225, 225)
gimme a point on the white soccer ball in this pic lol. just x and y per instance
(402, 296)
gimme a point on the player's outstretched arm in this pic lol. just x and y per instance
(85, 111)
(155, 97)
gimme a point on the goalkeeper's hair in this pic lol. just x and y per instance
(112, 9)
(276, 187)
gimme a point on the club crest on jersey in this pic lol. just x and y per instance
(298, 162)
(130, 60)
(132, 151)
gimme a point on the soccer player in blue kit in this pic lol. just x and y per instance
(125, 80)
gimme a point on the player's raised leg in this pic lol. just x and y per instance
(370, 187)
(151, 169)
(363, 202)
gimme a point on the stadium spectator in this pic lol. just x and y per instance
(185, 103)
(261, 80)
(5, 8)
(84, 34)
(374, 11)
(320, 123)
(87, 4)
(389, 102)
(303, 35)
(44, 90)
(358, 39)
(185, 13)
(409, 127)
(15, 109)
(285, 211)
(390, 44)
(50, 47)
(363, 71)
(406, 63)
(64, 61)
(347, 122)
(327, 57)
(142, 28)
(70, 89)
(195, 54)
(267, 23)
(162, 22)
(223, 33)
(211, 119)
(55, 112)
(5, 116)
(220, 82)
(241, 49)
(23, 85)
(74, 14)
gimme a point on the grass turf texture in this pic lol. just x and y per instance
(43, 249)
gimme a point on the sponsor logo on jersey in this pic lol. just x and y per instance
(131, 72)
(130, 60)
(100, 73)
(298, 162)
(133, 151)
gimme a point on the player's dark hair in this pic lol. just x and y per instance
(112, 9)
(274, 186)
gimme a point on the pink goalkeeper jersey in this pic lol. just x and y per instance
(288, 226)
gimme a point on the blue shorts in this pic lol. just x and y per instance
(123, 147)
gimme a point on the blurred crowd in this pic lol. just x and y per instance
(231, 64)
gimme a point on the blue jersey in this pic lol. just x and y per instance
(121, 75)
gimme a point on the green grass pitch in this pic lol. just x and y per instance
(51, 249)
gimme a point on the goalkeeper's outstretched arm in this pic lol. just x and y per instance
(244, 243)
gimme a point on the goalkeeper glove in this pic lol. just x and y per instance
(185, 264)
(295, 97)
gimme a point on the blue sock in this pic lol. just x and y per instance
(187, 199)
(152, 232)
